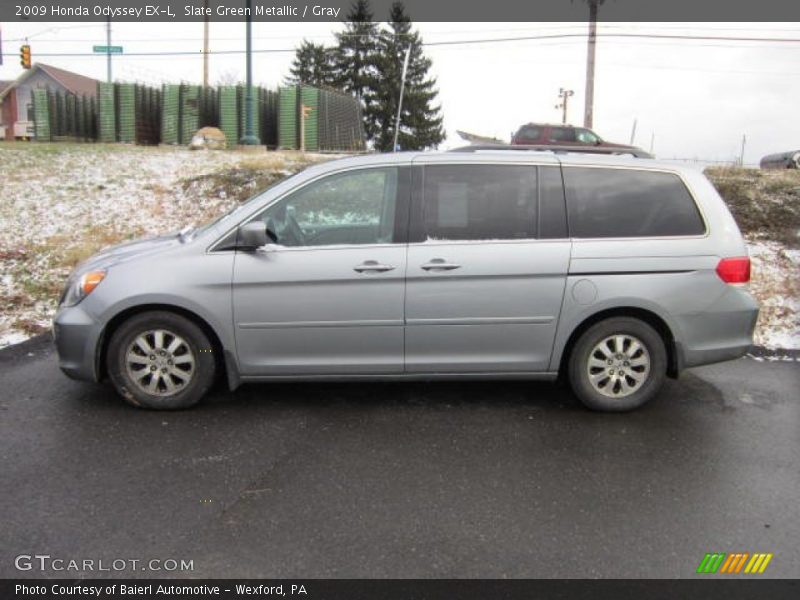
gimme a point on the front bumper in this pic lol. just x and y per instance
(77, 336)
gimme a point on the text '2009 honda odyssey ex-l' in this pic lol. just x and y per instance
(612, 271)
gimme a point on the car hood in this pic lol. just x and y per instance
(127, 251)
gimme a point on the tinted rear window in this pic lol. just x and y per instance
(604, 203)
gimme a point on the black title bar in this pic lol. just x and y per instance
(419, 10)
(708, 588)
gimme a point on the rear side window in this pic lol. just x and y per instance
(562, 134)
(480, 202)
(529, 134)
(613, 203)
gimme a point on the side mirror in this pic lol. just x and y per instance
(271, 231)
(252, 235)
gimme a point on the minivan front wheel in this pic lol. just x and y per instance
(617, 364)
(160, 360)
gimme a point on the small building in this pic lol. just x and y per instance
(15, 96)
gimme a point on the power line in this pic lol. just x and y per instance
(582, 26)
(460, 43)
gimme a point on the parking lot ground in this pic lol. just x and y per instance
(489, 479)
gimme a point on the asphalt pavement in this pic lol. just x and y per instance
(489, 479)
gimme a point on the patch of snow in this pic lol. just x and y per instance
(12, 337)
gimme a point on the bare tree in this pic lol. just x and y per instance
(229, 77)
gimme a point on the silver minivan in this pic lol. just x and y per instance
(613, 272)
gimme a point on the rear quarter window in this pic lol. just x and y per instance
(614, 203)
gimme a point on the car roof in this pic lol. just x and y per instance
(498, 156)
(566, 125)
(616, 160)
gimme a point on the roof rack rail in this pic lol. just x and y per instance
(636, 152)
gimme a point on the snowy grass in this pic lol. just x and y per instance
(775, 282)
(61, 203)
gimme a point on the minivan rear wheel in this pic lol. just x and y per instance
(160, 360)
(617, 364)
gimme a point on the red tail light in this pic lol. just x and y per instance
(734, 270)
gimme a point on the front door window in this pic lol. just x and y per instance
(357, 207)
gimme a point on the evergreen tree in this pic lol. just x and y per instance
(312, 66)
(355, 55)
(420, 120)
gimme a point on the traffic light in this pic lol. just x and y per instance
(25, 56)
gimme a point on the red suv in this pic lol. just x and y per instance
(539, 134)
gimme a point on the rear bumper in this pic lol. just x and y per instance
(725, 332)
(76, 337)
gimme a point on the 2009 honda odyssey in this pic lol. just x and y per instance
(614, 271)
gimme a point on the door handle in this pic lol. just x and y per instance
(439, 264)
(373, 266)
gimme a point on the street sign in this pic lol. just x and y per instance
(107, 49)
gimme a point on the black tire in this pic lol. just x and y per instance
(636, 393)
(190, 379)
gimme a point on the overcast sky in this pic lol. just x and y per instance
(697, 97)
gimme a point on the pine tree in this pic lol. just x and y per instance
(312, 66)
(355, 56)
(420, 120)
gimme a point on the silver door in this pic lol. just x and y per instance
(489, 303)
(329, 298)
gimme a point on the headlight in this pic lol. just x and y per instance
(78, 290)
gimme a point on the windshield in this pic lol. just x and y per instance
(226, 215)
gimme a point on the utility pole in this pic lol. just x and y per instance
(108, 49)
(652, 140)
(633, 132)
(564, 96)
(588, 109)
(741, 156)
(205, 43)
(249, 138)
(400, 102)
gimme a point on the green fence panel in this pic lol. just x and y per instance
(41, 115)
(147, 115)
(69, 115)
(287, 118)
(126, 112)
(107, 120)
(170, 109)
(268, 109)
(80, 118)
(341, 126)
(228, 114)
(190, 112)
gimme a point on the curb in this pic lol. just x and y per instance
(762, 353)
(36, 344)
